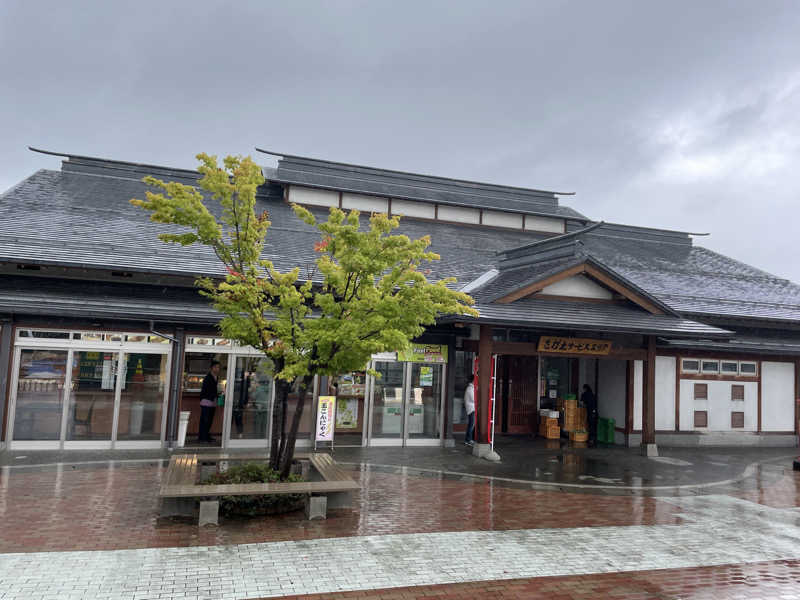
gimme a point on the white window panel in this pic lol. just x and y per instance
(502, 219)
(409, 208)
(459, 214)
(314, 197)
(365, 203)
(729, 367)
(534, 223)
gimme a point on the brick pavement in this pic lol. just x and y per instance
(108, 508)
(779, 580)
(541, 541)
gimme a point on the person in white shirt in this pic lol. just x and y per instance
(469, 405)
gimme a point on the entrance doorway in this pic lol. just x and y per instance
(406, 404)
(246, 386)
(518, 393)
(78, 389)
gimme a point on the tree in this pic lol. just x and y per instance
(368, 291)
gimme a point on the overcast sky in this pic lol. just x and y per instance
(682, 115)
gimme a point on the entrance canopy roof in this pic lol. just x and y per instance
(589, 316)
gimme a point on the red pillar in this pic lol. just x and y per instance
(484, 368)
(649, 400)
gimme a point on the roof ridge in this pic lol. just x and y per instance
(451, 179)
(112, 160)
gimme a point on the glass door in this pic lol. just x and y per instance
(92, 391)
(39, 406)
(250, 402)
(387, 404)
(424, 402)
(143, 389)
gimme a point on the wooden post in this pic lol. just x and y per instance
(649, 399)
(484, 383)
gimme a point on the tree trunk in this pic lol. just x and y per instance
(278, 422)
(288, 451)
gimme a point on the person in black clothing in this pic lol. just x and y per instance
(589, 400)
(208, 402)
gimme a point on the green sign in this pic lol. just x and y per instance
(428, 353)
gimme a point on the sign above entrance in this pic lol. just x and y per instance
(564, 345)
(429, 353)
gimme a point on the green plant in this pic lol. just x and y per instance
(267, 504)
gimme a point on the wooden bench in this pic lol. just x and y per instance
(329, 486)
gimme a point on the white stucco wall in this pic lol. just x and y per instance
(719, 405)
(365, 203)
(409, 208)
(612, 390)
(586, 370)
(315, 197)
(577, 286)
(638, 391)
(665, 393)
(777, 396)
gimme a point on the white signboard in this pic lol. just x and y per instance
(326, 418)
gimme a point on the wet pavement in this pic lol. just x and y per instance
(556, 522)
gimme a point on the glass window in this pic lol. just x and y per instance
(690, 365)
(748, 369)
(710, 367)
(252, 398)
(729, 367)
(142, 399)
(50, 335)
(91, 400)
(40, 394)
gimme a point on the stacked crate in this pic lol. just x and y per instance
(571, 415)
(548, 424)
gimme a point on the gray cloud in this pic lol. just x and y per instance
(673, 114)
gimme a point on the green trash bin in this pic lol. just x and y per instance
(605, 430)
(611, 425)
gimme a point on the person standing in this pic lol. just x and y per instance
(208, 402)
(589, 400)
(469, 406)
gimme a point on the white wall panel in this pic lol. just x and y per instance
(501, 219)
(638, 382)
(613, 388)
(314, 197)
(459, 214)
(409, 208)
(777, 396)
(577, 286)
(719, 405)
(665, 393)
(533, 223)
(365, 203)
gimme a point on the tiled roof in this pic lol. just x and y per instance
(589, 316)
(359, 179)
(756, 345)
(81, 217)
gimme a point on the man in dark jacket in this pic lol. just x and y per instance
(208, 402)
(589, 400)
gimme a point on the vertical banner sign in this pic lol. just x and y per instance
(326, 418)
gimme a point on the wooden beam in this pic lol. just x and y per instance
(649, 397)
(759, 396)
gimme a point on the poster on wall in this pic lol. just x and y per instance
(326, 418)
(347, 413)
(426, 376)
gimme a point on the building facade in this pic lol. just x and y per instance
(104, 339)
